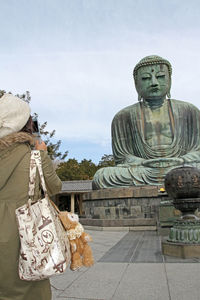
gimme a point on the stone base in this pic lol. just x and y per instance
(168, 214)
(124, 207)
(121, 228)
(118, 223)
(163, 231)
(122, 203)
(180, 250)
(185, 231)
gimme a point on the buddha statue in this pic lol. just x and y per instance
(153, 136)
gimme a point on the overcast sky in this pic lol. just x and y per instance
(76, 58)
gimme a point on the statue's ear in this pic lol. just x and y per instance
(169, 94)
(170, 84)
(136, 87)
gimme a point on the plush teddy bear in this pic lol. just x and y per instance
(81, 253)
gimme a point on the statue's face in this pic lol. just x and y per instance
(153, 81)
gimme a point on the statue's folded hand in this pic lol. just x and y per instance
(131, 160)
(163, 162)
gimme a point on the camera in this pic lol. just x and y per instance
(35, 125)
(36, 129)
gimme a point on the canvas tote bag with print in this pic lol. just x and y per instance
(45, 249)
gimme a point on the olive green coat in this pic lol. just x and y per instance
(14, 178)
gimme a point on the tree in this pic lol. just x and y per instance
(52, 147)
(26, 96)
(69, 170)
(87, 169)
(107, 160)
(72, 170)
(2, 92)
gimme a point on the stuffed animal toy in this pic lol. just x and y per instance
(81, 253)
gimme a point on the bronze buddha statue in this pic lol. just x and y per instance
(153, 136)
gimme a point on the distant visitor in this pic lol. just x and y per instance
(153, 136)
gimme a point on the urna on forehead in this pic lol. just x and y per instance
(150, 61)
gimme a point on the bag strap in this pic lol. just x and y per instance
(32, 175)
(35, 162)
(55, 206)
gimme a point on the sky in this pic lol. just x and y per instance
(76, 57)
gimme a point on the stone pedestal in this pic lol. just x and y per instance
(181, 250)
(183, 185)
(184, 239)
(167, 213)
(133, 207)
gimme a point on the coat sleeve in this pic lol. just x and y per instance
(53, 183)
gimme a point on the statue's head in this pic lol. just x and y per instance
(152, 77)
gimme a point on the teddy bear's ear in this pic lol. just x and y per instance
(73, 217)
(63, 215)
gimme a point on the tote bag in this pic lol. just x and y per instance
(45, 249)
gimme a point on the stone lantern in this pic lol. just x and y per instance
(183, 186)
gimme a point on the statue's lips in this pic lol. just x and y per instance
(154, 90)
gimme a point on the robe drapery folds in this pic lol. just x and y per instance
(130, 147)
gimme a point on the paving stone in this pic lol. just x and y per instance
(143, 282)
(124, 249)
(60, 282)
(120, 273)
(55, 293)
(100, 282)
(149, 248)
(184, 281)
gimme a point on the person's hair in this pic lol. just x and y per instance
(29, 126)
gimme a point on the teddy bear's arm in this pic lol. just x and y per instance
(86, 237)
(73, 246)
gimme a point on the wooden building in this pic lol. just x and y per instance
(70, 197)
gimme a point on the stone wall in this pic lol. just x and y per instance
(123, 208)
(127, 206)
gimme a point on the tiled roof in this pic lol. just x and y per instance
(76, 186)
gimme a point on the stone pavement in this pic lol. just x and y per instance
(129, 265)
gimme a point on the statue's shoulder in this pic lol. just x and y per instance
(185, 104)
(128, 110)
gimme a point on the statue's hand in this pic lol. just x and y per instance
(163, 162)
(132, 160)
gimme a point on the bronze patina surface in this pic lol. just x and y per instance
(153, 136)
(183, 185)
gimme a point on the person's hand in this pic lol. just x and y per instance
(40, 145)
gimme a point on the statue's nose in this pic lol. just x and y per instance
(154, 81)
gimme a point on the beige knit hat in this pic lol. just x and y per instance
(14, 114)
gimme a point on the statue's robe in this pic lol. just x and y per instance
(130, 147)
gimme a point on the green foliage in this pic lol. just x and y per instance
(2, 92)
(85, 170)
(107, 160)
(72, 170)
(26, 97)
(69, 170)
(52, 147)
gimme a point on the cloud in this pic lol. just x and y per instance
(78, 93)
(77, 59)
